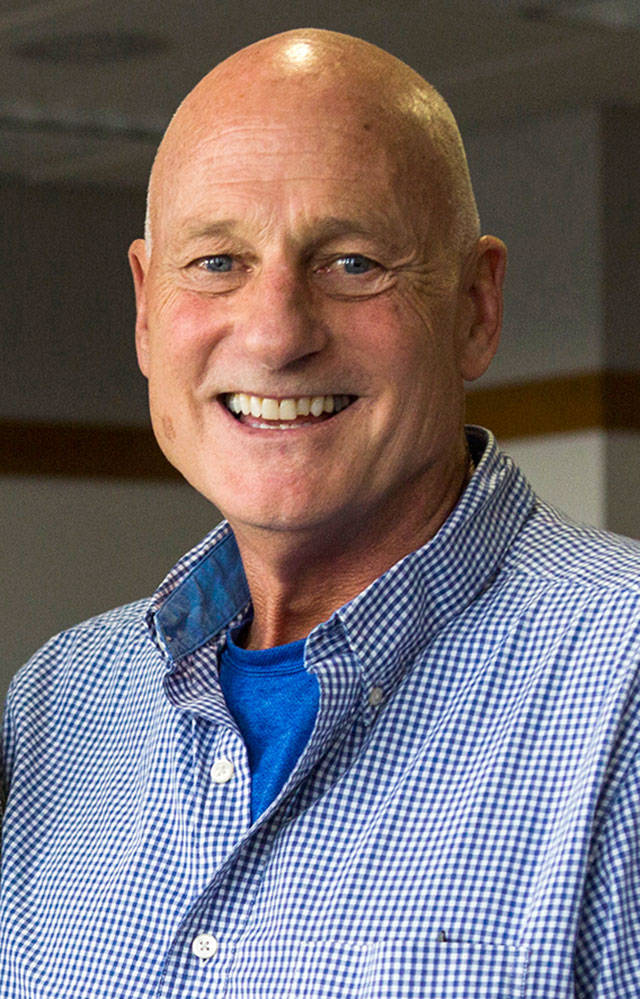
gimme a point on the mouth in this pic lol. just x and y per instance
(269, 413)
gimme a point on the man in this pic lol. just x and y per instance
(377, 735)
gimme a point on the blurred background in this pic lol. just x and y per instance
(548, 99)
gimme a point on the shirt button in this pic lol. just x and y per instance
(222, 770)
(204, 945)
(376, 697)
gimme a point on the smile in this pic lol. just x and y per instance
(292, 411)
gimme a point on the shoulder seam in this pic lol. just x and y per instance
(629, 586)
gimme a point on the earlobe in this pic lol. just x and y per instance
(139, 262)
(485, 301)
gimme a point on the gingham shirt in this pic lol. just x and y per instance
(463, 824)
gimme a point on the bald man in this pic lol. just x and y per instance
(378, 734)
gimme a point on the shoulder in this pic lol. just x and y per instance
(570, 593)
(553, 548)
(83, 655)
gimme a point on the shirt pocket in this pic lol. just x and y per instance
(432, 969)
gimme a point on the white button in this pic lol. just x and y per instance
(221, 770)
(376, 697)
(204, 945)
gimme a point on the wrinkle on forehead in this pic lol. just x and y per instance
(276, 152)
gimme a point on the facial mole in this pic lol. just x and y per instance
(168, 428)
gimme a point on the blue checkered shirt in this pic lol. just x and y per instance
(464, 822)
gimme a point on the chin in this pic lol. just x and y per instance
(268, 501)
(277, 520)
(269, 515)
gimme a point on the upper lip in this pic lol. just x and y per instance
(280, 397)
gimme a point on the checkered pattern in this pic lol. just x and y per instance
(476, 835)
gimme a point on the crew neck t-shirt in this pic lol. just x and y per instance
(274, 701)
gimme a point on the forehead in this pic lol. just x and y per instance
(275, 164)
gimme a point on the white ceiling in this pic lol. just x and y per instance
(97, 120)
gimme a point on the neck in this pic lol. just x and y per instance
(298, 578)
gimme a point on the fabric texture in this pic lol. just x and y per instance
(463, 822)
(274, 702)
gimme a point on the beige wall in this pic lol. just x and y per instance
(567, 470)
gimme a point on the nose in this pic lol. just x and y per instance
(280, 321)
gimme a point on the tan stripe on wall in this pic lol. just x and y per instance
(77, 450)
(606, 400)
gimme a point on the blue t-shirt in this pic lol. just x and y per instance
(274, 701)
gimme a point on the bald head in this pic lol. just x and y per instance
(310, 71)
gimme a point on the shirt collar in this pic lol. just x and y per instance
(397, 614)
(205, 592)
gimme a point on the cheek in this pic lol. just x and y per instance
(183, 333)
(397, 343)
(415, 356)
(164, 406)
(429, 326)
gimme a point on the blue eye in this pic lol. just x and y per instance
(355, 263)
(218, 264)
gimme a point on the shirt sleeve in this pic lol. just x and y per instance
(607, 958)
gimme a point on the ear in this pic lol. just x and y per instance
(139, 263)
(482, 286)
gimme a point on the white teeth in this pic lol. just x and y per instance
(303, 406)
(287, 410)
(284, 410)
(270, 409)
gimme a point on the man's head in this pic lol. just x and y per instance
(312, 233)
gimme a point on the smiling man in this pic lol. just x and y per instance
(378, 734)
